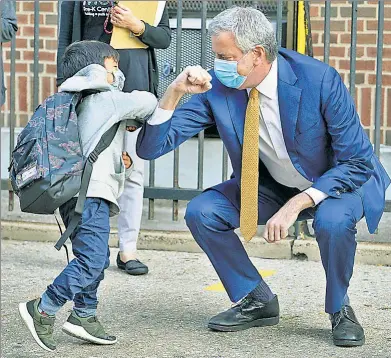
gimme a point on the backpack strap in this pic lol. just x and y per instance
(103, 144)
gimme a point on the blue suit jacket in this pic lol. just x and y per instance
(321, 128)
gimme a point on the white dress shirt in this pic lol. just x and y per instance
(272, 148)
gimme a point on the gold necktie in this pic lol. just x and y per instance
(250, 167)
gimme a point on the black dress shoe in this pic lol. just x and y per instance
(246, 314)
(132, 267)
(347, 332)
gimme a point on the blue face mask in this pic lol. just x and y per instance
(227, 73)
(119, 79)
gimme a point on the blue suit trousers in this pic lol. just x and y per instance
(212, 218)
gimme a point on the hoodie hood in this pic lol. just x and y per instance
(92, 77)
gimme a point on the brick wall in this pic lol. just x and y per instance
(25, 57)
(366, 56)
(339, 56)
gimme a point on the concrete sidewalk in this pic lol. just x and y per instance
(165, 313)
(164, 234)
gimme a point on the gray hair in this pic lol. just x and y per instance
(249, 26)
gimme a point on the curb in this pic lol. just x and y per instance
(367, 253)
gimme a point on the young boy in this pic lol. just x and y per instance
(90, 66)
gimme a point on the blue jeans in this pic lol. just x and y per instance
(79, 281)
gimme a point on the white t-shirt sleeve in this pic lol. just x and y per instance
(160, 116)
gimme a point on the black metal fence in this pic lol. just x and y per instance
(276, 10)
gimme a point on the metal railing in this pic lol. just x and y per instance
(175, 193)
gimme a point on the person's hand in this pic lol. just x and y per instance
(278, 225)
(192, 80)
(131, 128)
(123, 17)
(127, 160)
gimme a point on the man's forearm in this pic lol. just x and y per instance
(300, 202)
(170, 99)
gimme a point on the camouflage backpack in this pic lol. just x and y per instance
(47, 166)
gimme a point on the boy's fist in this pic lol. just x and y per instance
(127, 160)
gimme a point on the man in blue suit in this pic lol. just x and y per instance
(312, 160)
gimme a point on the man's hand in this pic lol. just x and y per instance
(123, 17)
(127, 160)
(278, 225)
(192, 80)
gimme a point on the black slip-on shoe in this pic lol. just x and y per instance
(132, 267)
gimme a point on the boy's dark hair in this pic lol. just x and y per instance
(84, 53)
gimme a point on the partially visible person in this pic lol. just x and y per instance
(94, 20)
(90, 67)
(8, 30)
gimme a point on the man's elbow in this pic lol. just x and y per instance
(146, 154)
(144, 150)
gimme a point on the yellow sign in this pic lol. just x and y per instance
(148, 11)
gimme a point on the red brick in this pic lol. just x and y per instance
(52, 69)
(318, 51)
(372, 52)
(28, 31)
(314, 10)
(317, 25)
(345, 38)
(315, 37)
(366, 106)
(359, 51)
(41, 19)
(372, 25)
(22, 83)
(366, 39)
(386, 66)
(45, 88)
(46, 6)
(28, 5)
(28, 55)
(386, 80)
(22, 19)
(19, 67)
(365, 65)
(44, 31)
(360, 25)
(337, 51)
(21, 43)
(344, 65)
(387, 39)
(362, 11)
(383, 107)
(389, 107)
(47, 56)
(333, 38)
(43, 56)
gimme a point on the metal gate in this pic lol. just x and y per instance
(285, 16)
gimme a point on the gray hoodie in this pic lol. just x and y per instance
(96, 114)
